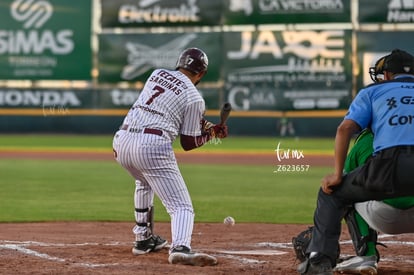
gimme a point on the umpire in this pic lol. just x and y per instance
(388, 109)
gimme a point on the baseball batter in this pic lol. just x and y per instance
(168, 106)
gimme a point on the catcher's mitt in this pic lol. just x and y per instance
(301, 242)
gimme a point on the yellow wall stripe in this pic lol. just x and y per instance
(121, 112)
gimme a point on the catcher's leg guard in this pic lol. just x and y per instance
(145, 218)
(363, 237)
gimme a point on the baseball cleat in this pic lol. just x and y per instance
(153, 243)
(183, 255)
(365, 265)
(318, 265)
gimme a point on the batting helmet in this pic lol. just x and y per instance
(193, 60)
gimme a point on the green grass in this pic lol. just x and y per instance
(44, 190)
(36, 190)
(102, 142)
(253, 193)
(266, 144)
(56, 142)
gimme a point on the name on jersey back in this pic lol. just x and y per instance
(168, 81)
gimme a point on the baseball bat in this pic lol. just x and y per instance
(224, 113)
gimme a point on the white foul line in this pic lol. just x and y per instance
(20, 246)
(252, 252)
(31, 252)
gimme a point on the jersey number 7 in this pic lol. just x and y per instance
(159, 90)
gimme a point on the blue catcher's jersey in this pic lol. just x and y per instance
(388, 109)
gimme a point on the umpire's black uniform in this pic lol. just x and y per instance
(387, 109)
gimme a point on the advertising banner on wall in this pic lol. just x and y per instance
(144, 13)
(125, 98)
(286, 11)
(374, 45)
(53, 101)
(288, 70)
(47, 101)
(386, 11)
(68, 101)
(45, 40)
(132, 57)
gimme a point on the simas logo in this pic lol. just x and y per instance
(151, 11)
(32, 14)
(400, 11)
(34, 39)
(142, 57)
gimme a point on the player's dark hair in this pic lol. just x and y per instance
(399, 61)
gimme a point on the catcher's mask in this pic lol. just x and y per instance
(377, 72)
(193, 60)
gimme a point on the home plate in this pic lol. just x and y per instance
(253, 252)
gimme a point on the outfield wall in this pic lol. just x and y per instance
(102, 111)
(272, 60)
(239, 125)
(304, 127)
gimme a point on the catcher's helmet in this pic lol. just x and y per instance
(193, 60)
(399, 61)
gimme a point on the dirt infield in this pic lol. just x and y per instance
(105, 247)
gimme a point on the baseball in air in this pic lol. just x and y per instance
(229, 221)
